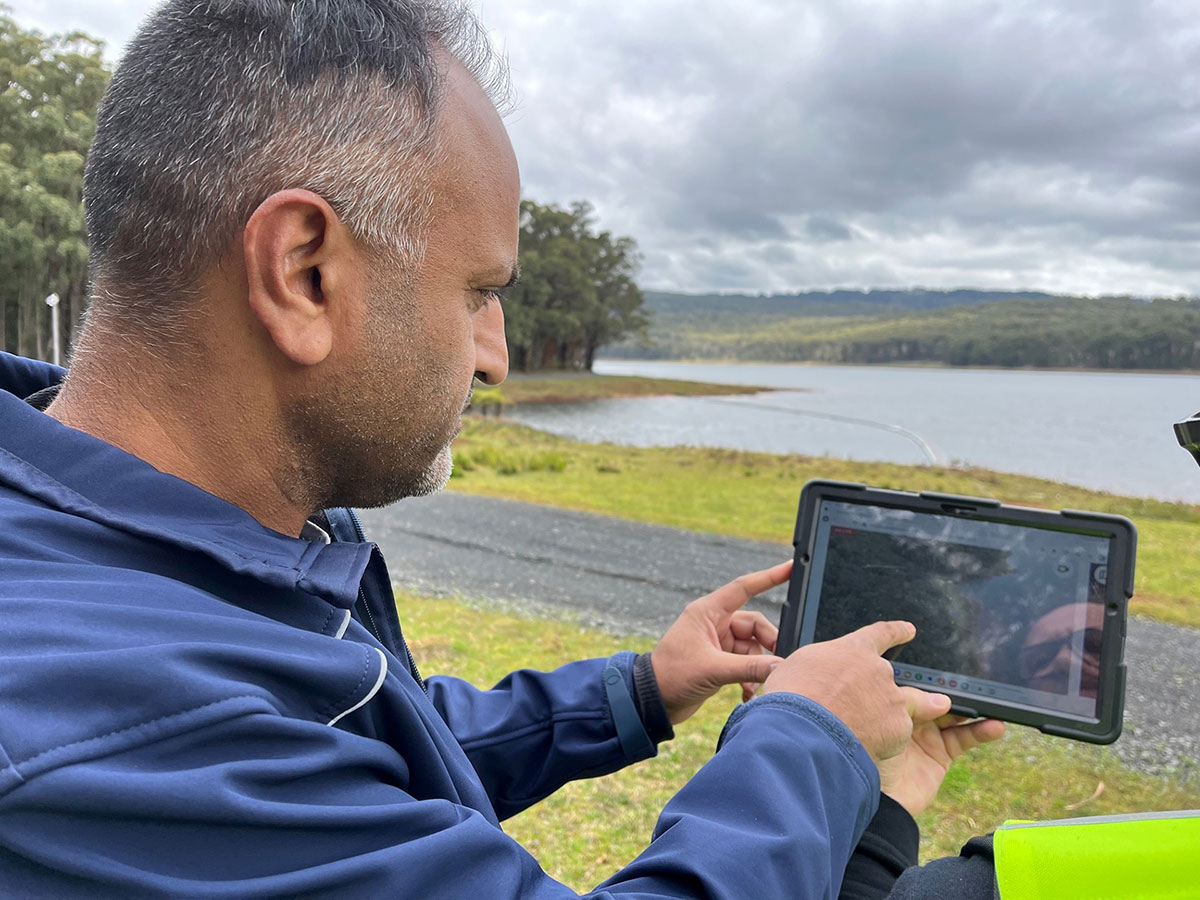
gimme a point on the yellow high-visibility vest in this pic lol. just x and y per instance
(1144, 855)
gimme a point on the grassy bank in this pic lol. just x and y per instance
(562, 387)
(590, 829)
(753, 495)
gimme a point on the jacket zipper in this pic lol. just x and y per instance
(362, 602)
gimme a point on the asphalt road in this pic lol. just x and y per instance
(634, 578)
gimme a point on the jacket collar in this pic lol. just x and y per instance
(84, 476)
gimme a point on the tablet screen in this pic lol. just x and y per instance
(1009, 613)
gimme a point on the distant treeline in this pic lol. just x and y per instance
(962, 328)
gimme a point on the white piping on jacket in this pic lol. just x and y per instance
(371, 693)
(345, 624)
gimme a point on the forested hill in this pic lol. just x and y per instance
(967, 328)
(822, 303)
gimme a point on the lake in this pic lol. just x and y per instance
(1108, 431)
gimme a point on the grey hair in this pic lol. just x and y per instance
(217, 104)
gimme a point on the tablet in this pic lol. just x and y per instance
(1020, 613)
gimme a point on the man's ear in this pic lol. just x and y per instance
(295, 246)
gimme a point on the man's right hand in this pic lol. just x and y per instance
(850, 678)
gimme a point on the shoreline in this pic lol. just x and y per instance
(931, 364)
(559, 390)
(563, 387)
(952, 467)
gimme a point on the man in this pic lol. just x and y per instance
(301, 216)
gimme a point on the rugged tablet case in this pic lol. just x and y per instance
(1122, 553)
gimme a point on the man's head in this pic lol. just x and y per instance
(315, 198)
(217, 104)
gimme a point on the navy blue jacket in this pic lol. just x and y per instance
(194, 705)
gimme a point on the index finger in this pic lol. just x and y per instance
(885, 635)
(734, 595)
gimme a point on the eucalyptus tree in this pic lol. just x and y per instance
(577, 290)
(50, 87)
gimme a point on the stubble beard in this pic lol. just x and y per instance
(434, 478)
(384, 432)
(367, 457)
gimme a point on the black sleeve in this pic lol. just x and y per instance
(887, 848)
(970, 876)
(649, 702)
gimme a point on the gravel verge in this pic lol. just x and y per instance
(634, 578)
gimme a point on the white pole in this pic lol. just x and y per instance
(52, 302)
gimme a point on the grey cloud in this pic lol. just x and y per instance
(969, 119)
(775, 254)
(724, 218)
(824, 228)
(768, 145)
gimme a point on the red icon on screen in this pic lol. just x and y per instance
(941, 680)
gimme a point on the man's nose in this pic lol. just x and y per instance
(491, 349)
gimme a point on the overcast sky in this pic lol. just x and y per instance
(766, 145)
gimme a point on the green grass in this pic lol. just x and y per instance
(566, 387)
(590, 829)
(754, 495)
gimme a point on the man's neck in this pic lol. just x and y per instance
(225, 444)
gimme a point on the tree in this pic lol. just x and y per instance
(50, 87)
(619, 309)
(576, 292)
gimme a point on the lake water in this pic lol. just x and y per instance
(1106, 431)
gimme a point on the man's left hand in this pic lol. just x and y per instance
(914, 777)
(715, 642)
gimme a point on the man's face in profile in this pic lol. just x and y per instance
(388, 423)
